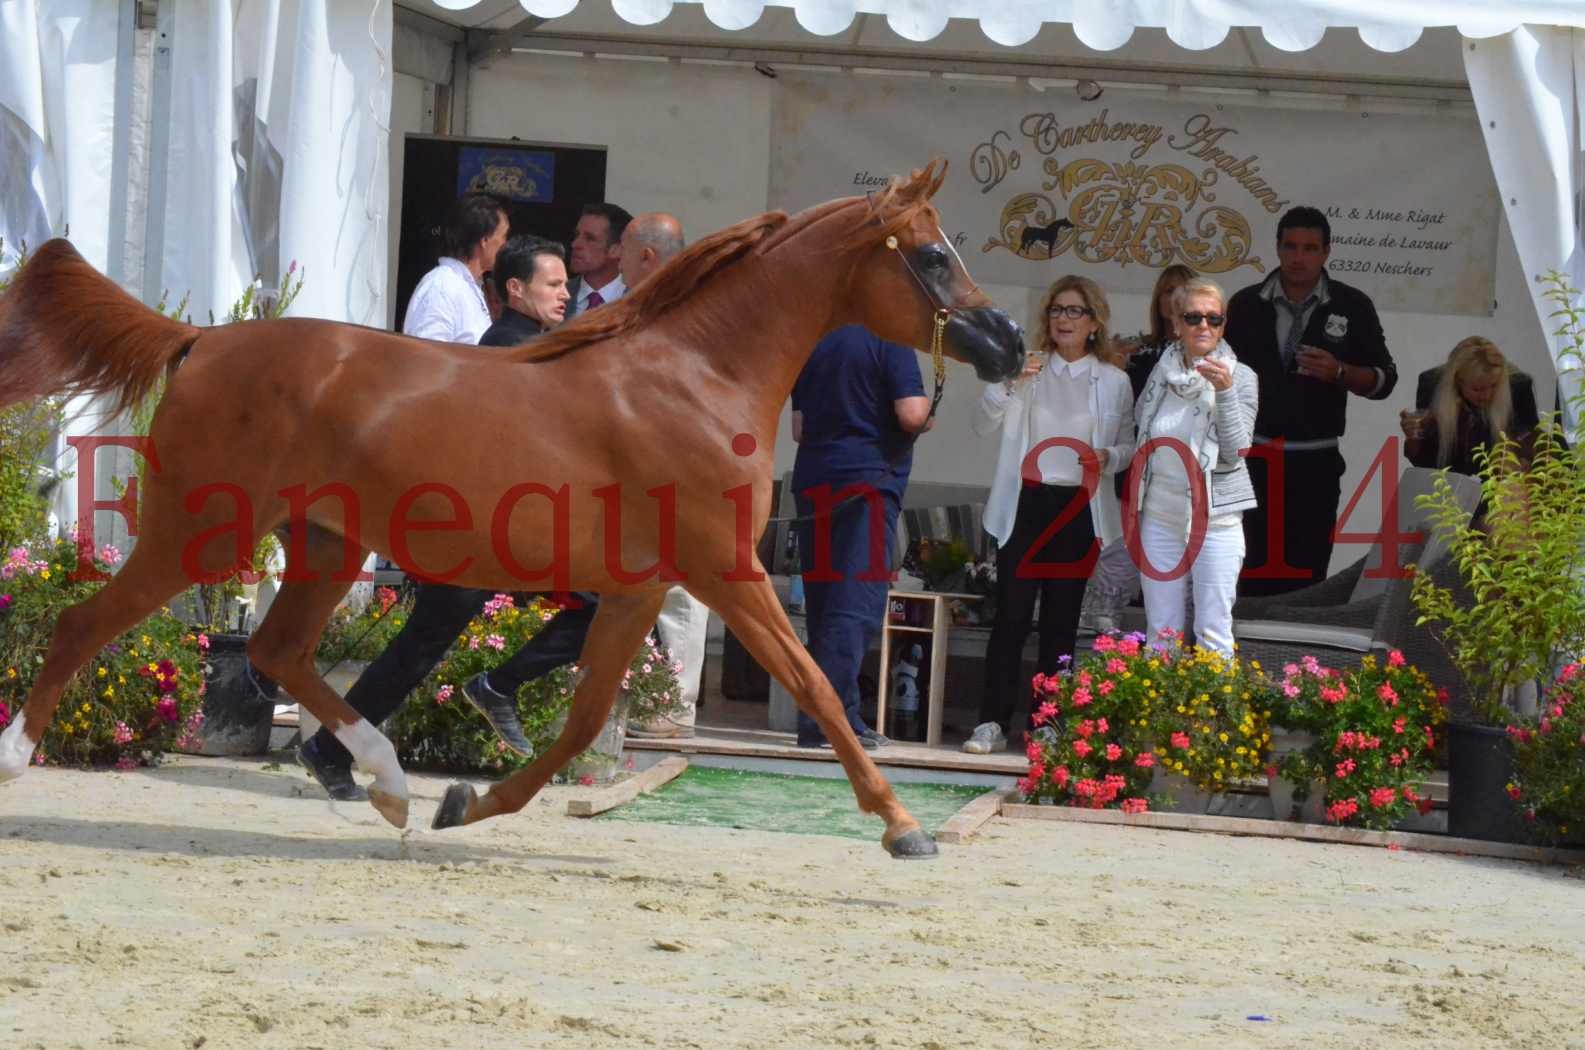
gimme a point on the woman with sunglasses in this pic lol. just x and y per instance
(1197, 414)
(1075, 413)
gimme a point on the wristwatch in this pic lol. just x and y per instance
(1341, 379)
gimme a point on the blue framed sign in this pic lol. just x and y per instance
(519, 175)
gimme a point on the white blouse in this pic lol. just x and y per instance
(1060, 408)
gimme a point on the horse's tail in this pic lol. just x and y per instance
(64, 326)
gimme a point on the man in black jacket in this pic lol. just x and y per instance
(1311, 341)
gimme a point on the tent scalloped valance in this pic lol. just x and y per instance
(1295, 25)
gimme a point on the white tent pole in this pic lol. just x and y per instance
(121, 150)
(159, 155)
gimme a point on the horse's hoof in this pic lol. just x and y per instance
(912, 845)
(453, 811)
(392, 807)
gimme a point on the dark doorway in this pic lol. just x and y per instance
(544, 186)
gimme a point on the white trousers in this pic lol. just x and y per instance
(1213, 575)
(681, 627)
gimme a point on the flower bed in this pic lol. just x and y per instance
(136, 699)
(1549, 761)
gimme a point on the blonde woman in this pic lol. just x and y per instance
(1200, 400)
(1463, 405)
(1116, 578)
(1067, 393)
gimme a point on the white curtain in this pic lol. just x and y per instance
(1529, 88)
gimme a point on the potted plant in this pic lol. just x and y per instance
(1520, 613)
(1549, 762)
(1093, 742)
(1372, 739)
(1215, 726)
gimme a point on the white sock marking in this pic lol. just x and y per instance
(374, 753)
(16, 750)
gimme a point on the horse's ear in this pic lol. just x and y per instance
(924, 182)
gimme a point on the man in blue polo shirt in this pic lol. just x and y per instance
(857, 405)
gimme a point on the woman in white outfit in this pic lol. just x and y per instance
(1198, 406)
(1066, 393)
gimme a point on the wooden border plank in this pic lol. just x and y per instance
(969, 819)
(1256, 827)
(611, 796)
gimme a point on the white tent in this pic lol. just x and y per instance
(193, 144)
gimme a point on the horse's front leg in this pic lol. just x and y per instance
(619, 626)
(754, 614)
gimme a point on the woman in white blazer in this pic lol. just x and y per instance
(1067, 393)
(1198, 406)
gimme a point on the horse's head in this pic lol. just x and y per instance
(913, 274)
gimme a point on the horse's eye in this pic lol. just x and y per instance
(933, 258)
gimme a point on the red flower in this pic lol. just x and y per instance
(1514, 792)
(1135, 805)
(1383, 797)
(1144, 760)
(1081, 748)
(1113, 752)
(1060, 776)
(1180, 741)
(1044, 713)
(1085, 728)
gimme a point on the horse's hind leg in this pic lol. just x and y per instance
(619, 627)
(283, 648)
(753, 613)
(150, 577)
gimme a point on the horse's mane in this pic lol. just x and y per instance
(893, 209)
(658, 293)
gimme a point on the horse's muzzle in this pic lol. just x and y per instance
(988, 339)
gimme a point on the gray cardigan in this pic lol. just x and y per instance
(1228, 486)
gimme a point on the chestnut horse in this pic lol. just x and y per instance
(551, 466)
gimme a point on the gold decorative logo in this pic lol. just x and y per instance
(1126, 213)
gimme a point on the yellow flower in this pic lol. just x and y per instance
(146, 640)
(110, 692)
(11, 672)
(44, 574)
(121, 679)
(103, 672)
(1241, 751)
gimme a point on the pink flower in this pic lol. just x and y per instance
(1388, 694)
(1106, 687)
(5, 602)
(1144, 760)
(1082, 748)
(1395, 659)
(587, 780)
(1115, 666)
(1180, 741)
(1060, 776)
(1113, 752)
(1399, 724)
(1382, 797)
(1514, 792)
(473, 644)
(1290, 690)
(123, 734)
(443, 694)
(5, 714)
(1135, 805)
(1032, 751)
(1105, 643)
(1345, 767)
(1043, 714)
(1101, 726)
(127, 762)
(203, 641)
(1128, 646)
(1081, 697)
(167, 710)
(648, 667)
(1085, 728)
(496, 642)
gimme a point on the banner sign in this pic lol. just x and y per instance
(1042, 184)
(520, 175)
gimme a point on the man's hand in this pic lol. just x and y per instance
(1319, 364)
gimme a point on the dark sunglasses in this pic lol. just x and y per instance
(1193, 319)
(1072, 313)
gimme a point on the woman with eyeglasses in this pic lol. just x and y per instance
(1196, 415)
(1068, 411)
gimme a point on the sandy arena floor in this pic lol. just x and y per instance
(223, 904)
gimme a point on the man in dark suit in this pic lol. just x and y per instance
(1311, 341)
(596, 257)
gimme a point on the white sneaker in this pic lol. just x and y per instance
(986, 739)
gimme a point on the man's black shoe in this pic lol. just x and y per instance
(336, 780)
(500, 711)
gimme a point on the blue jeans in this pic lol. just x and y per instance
(844, 615)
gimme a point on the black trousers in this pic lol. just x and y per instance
(439, 617)
(1312, 483)
(1056, 574)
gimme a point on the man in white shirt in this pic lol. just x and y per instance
(597, 257)
(448, 305)
(647, 243)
